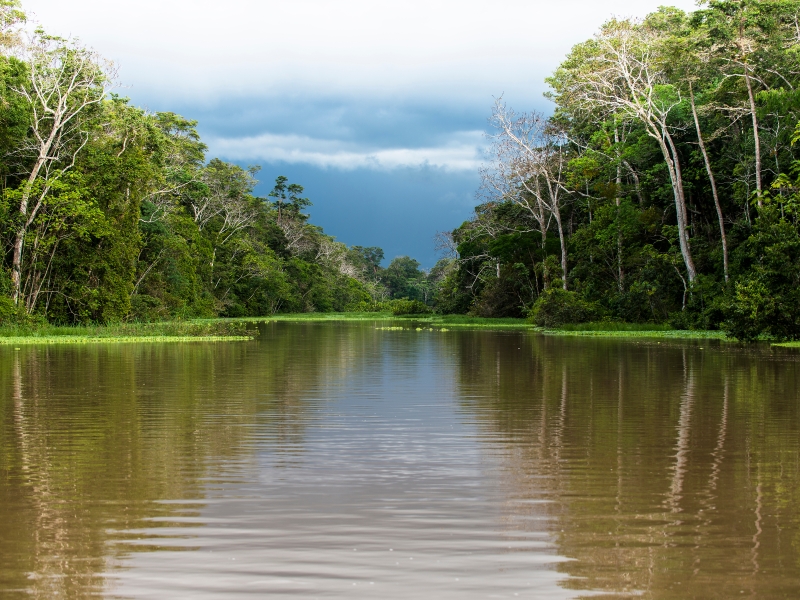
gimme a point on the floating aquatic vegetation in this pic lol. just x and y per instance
(78, 339)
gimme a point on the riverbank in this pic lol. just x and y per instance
(430, 320)
(225, 330)
(171, 331)
(600, 329)
(655, 333)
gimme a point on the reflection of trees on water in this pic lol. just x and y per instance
(93, 439)
(671, 469)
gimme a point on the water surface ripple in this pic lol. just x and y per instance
(335, 460)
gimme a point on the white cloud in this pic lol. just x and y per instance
(461, 153)
(191, 48)
(193, 54)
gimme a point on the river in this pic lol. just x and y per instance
(342, 460)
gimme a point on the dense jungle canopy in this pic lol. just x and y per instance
(663, 187)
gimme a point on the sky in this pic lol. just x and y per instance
(378, 108)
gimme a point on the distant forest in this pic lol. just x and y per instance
(664, 187)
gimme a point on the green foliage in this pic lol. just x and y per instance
(8, 312)
(287, 199)
(609, 326)
(404, 279)
(32, 333)
(133, 223)
(409, 307)
(557, 307)
(367, 261)
(11, 17)
(14, 111)
(708, 135)
(765, 300)
(368, 306)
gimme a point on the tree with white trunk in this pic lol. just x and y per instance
(65, 81)
(529, 157)
(622, 73)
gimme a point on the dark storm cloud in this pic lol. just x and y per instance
(399, 210)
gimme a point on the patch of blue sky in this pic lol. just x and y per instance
(399, 210)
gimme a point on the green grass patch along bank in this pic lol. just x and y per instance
(671, 334)
(413, 321)
(171, 331)
(389, 322)
(631, 330)
(615, 326)
(224, 330)
(78, 339)
(787, 345)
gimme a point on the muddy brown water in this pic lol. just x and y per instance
(337, 460)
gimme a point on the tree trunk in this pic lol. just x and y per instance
(16, 265)
(676, 165)
(557, 215)
(545, 272)
(713, 181)
(618, 191)
(19, 238)
(756, 137)
(636, 181)
(673, 166)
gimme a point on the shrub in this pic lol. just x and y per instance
(556, 307)
(147, 308)
(681, 320)
(367, 307)
(8, 312)
(409, 307)
(765, 300)
(755, 310)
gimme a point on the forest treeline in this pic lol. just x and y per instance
(664, 187)
(112, 213)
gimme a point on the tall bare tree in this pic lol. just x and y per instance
(712, 180)
(529, 158)
(621, 73)
(735, 39)
(66, 79)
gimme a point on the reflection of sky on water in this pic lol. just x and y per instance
(388, 495)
